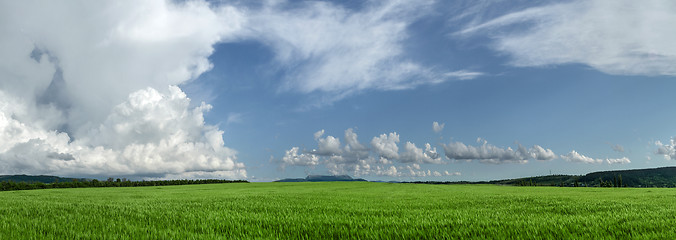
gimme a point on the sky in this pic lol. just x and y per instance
(383, 90)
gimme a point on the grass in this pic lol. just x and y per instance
(354, 210)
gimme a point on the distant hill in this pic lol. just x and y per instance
(323, 178)
(40, 178)
(650, 177)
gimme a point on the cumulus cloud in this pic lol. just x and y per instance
(382, 159)
(415, 171)
(574, 156)
(386, 145)
(84, 88)
(385, 159)
(411, 171)
(352, 146)
(488, 153)
(438, 127)
(616, 37)
(540, 153)
(104, 50)
(413, 154)
(292, 157)
(328, 146)
(152, 134)
(667, 150)
(338, 159)
(339, 51)
(623, 160)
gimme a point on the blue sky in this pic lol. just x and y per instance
(277, 89)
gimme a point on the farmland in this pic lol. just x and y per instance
(337, 210)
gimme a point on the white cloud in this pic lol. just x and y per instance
(328, 146)
(574, 156)
(488, 153)
(292, 157)
(463, 75)
(106, 50)
(414, 171)
(413, 154)
(356, 159)
(438, 127)
(152, 134)
(390, 171)
(352, 147)
(319, 134)
(623, 160)
(338, 159)
(539, 153)
(617, 37)
(667, 150)
(84, 88)
(386, 145)
(334, 50)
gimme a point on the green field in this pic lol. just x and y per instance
(337, 210)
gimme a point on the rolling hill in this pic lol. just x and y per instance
(651, 177)
(323, 178)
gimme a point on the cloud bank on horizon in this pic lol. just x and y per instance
(95, 88)
(383, 157)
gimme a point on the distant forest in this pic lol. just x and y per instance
(25, 182)
(652, 177)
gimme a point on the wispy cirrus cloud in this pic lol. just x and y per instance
(616, 37)
(328, 49)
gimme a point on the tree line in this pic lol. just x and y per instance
(615, 183)
(11, 185)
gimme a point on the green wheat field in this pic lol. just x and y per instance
(350, 210)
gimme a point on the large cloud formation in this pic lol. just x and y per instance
(620, 37)
(88, 89)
